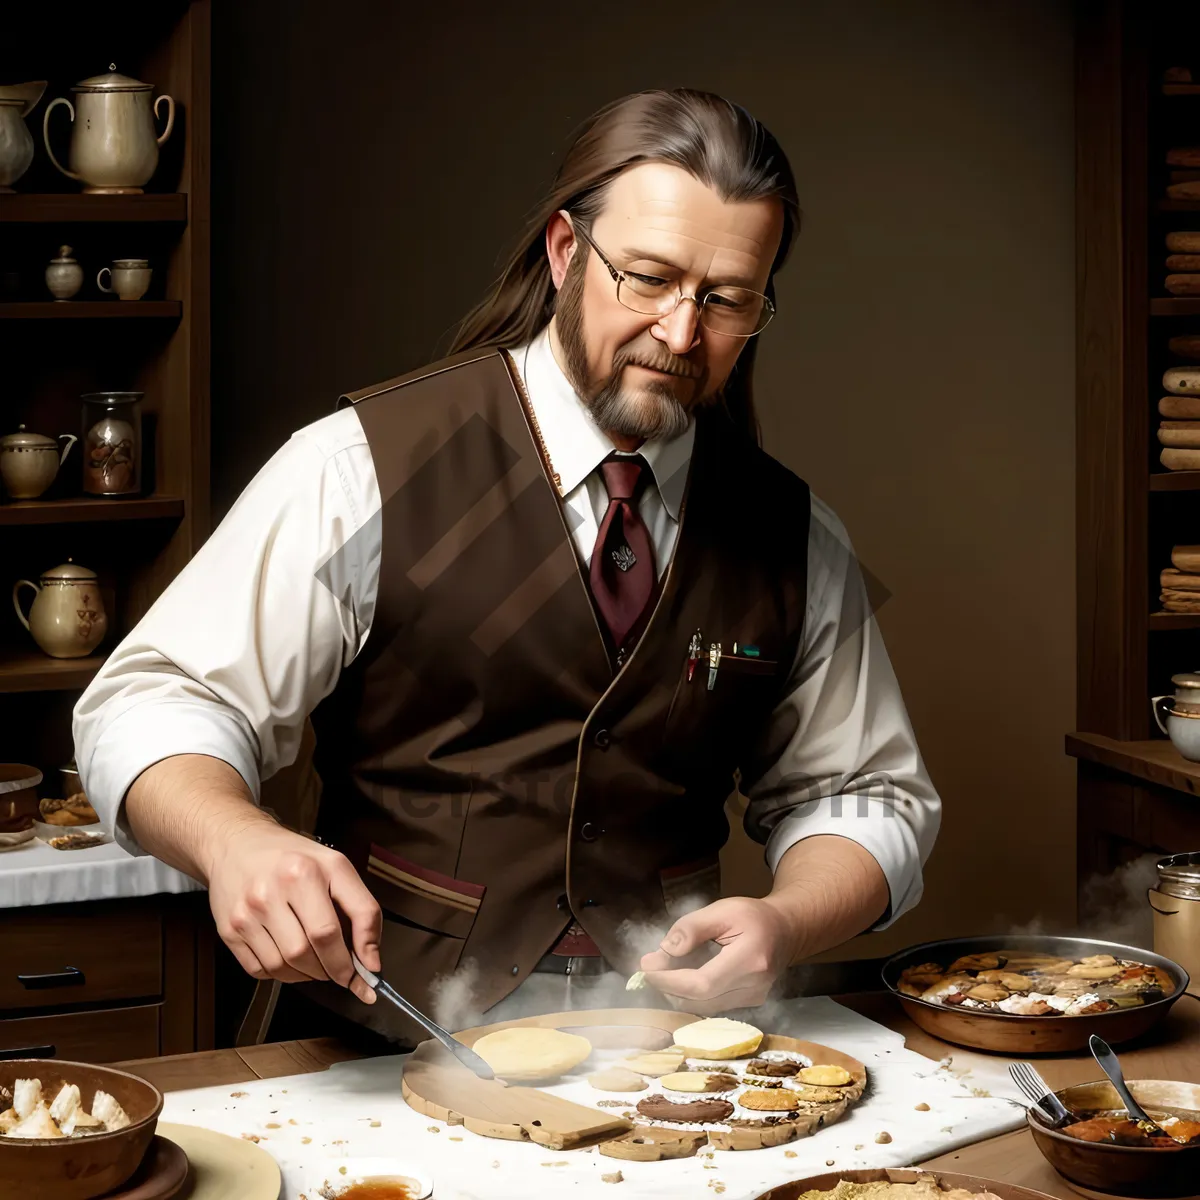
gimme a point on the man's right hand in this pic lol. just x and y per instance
(279, 899)
(276, 898)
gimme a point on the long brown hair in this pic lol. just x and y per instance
(716, 141)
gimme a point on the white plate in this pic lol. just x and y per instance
(338, 1174)
(46, 831)
(11, 841)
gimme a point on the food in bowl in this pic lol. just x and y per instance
(883, 1189)
(1118, 1129)
(29, 1115)
(1027, 984)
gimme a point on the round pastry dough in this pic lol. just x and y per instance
(526, 1052)
(1180, 408)
(719, 1038)
(1183, 242)
(825, 1076)
(1180, 460)
(1186, 284)
(655, 1062)
(618, 1079)
(698, 1081)
(1179, 433)
(774, 1100)
(1182, 381)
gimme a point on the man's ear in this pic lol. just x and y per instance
(560, 246)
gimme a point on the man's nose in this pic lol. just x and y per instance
(681, 328)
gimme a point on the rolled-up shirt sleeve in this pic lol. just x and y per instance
(251, 634)
(840, 756)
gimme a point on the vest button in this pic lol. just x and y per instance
(516, 970)
(589, 832)
(603, 739)
(562, 904)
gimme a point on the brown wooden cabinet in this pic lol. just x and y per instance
(143, 982)
(1135, 793)
(105, 981)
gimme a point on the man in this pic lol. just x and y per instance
(543, 600)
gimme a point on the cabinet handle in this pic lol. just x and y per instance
(69, 977)
(30, 1052)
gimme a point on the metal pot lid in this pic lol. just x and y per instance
(27, 441)
(1189, 679)
(68, 572)
(114, 81)
(1183, 868)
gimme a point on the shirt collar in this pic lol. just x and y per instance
(576, 445)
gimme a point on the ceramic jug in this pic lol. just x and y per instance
(1182, 711)
(16, 142)
(114, 149)
(29, 462)
(67, 617)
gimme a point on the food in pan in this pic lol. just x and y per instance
(31, 1117)
(526, 1052)
(1026, 984)
(719, 1038)
(74, 810)
(1116, 1128)
(923, 1189)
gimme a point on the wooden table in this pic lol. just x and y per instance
(1170, 1052)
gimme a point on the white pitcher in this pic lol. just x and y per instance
(114, 149)
(67, 618)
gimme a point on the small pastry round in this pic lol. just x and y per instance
(770, 1100)
(698, 1081)
(818, 1095)
(825, 1076)
(655, 1062)
(772, 1068)
(618, 1079)
(718, 1037)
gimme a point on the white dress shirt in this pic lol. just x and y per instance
(245, 642)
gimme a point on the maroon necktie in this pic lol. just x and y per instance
(622, 569)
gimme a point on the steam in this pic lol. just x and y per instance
(1115, 905)
(454, 998)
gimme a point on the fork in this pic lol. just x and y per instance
(1033, 1086)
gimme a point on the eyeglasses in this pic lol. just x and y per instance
(731, 311)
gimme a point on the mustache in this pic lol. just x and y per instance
(670, 364)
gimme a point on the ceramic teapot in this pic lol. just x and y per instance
(114, 149)
(16, 142)
(29, 462)
(67, 617)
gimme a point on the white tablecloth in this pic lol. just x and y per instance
(311, 1123)
(34, 873)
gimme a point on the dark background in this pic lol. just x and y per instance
(372, 161)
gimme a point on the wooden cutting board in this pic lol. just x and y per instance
(436, 1084)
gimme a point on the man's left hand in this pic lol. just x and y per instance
(757, 941)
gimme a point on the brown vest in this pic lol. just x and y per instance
(485, 766)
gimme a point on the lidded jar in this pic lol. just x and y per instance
(112, 444)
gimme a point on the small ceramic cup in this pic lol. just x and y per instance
(129, 278)
(1182, 712)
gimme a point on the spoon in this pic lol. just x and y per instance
(1103, 1054)
(464, 1054)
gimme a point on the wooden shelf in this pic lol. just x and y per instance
(37, 310)
(1175, 481)
(1174, 620)
(1175, 306)
(33, 671)
(1178, 206)
(1181, 89)
(79, 510)
(76, 208)
(1155, 761)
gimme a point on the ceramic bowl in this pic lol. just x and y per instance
(1123, 1170)
(341, 1174)
(78, 1168)
(18, 793)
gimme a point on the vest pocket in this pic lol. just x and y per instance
(417, 896)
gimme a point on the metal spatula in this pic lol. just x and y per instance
(464, 1054)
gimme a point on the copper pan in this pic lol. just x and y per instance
(944, 1179)
(1019, 1036)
